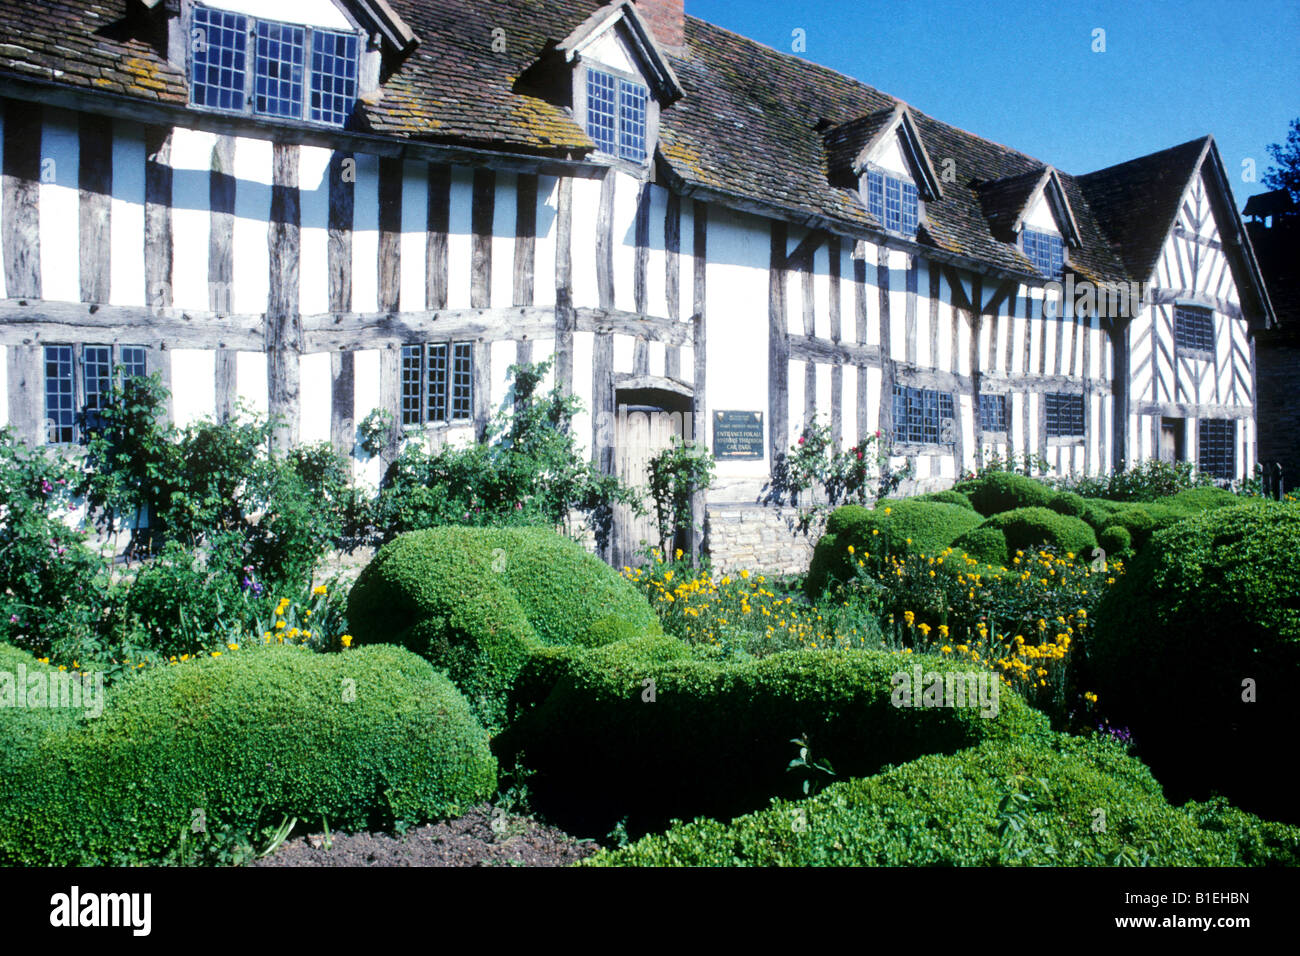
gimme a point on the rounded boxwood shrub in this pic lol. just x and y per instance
(950, 497)
(1000, 491)
(1206, 612)
(1068, 503)
(1115, 540)
(911, 525)
(361, 739)
(1202, 499)
(1026, 529)
(1143, 520)
(643, 731)
(478, 601)
(944, 810)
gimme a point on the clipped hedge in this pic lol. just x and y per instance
(360, 739)
(716, 738)
(1026, 529)
(1202, 499)
(944, 811)
(1209, 604)
(1001, 491)
(1068, 503)
(913, 524)
(949, 497)
(1141, 521)
(478, 601)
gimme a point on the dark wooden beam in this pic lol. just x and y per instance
(525, 238)
(778, 344)
(482, 214)
(95, 204)
(390, 235)
(283, 322)
(437, 225)
(20, 209)
(564, 317)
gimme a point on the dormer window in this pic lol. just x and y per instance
(617, 112)
(893, 201)
(1045, 251)
(267, 68)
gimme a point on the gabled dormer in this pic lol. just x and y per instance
(882, 155)
(1032, 211)
(307, 61)
(620, 78)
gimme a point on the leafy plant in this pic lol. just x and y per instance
(815, 774)
(676, 474)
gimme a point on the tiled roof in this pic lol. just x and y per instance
(1003, 200)
(1137, 202)
(754, 123)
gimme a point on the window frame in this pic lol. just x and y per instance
(1003, 416)
(581, 112)
(80, 425)
(1051, 423)
(1189, 310)
(1025, 232)
(883, 217)
(926, 399)
(1229, 425)
(249, 107)
(451, 401)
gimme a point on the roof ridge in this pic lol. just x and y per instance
(1199, 140)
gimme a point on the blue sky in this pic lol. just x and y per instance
(1023, 72)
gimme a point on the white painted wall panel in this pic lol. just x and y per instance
(626, 195)
(315, 384)
(502, 357)
(314, 208)
(583, 343)
(586, 204)
(823, 374)
(250, 380)
(126, 216)
(656, 264)
(60, 217)
(849, 417)
(4, 367)
(658, 359)
(365, 236)
(320, 13)
(365, 378)
(415, 217)
(822, 293)
(624, 347)
(544, 248)
(504, 209)
(253, 170)
(194, 378)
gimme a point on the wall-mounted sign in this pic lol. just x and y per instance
(737, 436)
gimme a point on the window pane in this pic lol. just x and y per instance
(876, 195)
(993, 413)
(411, 375)
(133, 361)
(632, 99)
(279, 66)
(910, 209)
(462, 381)
(601, 110)
(893, 204)
(1064, 416)
(97, 376)
(333, 76)
(1217, 447)
(219, 49)
(59, 396)
(438, 383)
(1046, 252)
(1193, 329)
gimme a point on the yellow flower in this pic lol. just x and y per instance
(744, 573)
(943, 630)
(888, 510)
(319, 590)
(925, 630)
(678, 554)
(347, 640)
(280, 625)
(851, 549)
(233, 647)
(216, 653)
(946, 649)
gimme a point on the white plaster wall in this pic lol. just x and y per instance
(624, 346)
(60, 218)
(583, 343)
(194, 383)
(315, 385)
(504, 210)
(501, 355)
(126, 216)
(320, 13)
(250, 380)
(4, 376)
(365, 397)
(656, 260)
(314, 207)
(626, 194)
(544, 247)
(586, 204)
(253, 170)
(192, 221)
(1040, 216)
(412, 246)
(365, 235)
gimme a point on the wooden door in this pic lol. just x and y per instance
(641, 431)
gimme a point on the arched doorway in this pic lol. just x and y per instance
(649, 414)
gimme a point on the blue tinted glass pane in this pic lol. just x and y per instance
(876, 195)
(218, 42)
(133, 361)
(1193, 329)
(59, 395)
(632, 99)
(462, 380)
(279, 68)
(893, 204)
(97, 376)
(910, 209)
(333, 76)
(1045, 251)
(438, 383)
(601, 110)
(410, 383)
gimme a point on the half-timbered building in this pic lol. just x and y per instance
(324, 207)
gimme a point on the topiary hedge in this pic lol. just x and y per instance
(1202, 499)
(1143, 520)
(1000, 491)
(1209, 604)
(716, 737)
(361, 739)
(913, 524)
(1068, 503)
(478, 601)
(949, 497)
(945, 811)
(1026, 529)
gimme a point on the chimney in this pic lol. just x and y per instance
(667, 21)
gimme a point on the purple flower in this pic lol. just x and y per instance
(46, 486)
(13, 618)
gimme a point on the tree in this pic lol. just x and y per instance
(1285, 173)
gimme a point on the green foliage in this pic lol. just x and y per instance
(1196, 500)
(1143, 520)
(817, 478)
(530, 472)
(247, 740)
(1027, 529)
(1207, 606)
(1116, 540)
(1027, 463)
(478, 601)
(675, 474)
(52, 586)
(950, 497)
(1148, 481)
(892, 527)
(1000, 491)
(1068, 503)
(644, 730)
(961, 810)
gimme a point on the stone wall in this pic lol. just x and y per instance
(758, 538)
